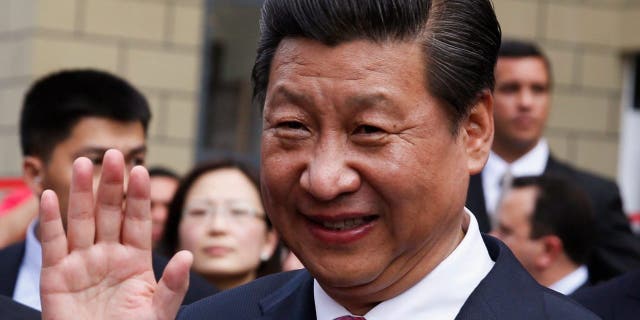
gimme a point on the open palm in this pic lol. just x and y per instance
(101, 268)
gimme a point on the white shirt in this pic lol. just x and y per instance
(572, 281)
(532, 163)
(27, 289)
(439, 295)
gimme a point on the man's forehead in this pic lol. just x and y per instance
(368, 54)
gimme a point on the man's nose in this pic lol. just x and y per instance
(526, 99)
(329, 174)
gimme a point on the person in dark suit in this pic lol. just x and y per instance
(548, 224)
(65, 115)
(375, 114)
(522, 103)
(11, 310)
(616, 299)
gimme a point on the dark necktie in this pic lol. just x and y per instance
(350, 318)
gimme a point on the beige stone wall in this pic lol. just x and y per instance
(155, 44)
(585, 40)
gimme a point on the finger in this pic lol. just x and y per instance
(52, 237)
(109, 197)
(136, 230)
(80, 220)
(173, 285)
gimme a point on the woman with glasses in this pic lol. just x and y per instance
(217, 214)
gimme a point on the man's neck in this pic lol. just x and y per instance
(556, 273)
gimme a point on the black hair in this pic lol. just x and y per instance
(460, 39)
(512, 48)
(169, 242)
(158, 171)
(55, 103)
(564, 210)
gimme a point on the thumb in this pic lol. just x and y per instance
(173, 285)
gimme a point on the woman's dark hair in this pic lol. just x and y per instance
(169, 242)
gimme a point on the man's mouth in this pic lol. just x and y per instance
(343, 224)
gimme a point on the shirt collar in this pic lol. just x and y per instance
(531, 163)
(572, 281)
(27, 287)
(439, 295)
(33, 249)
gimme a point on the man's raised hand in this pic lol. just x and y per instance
(101, 268)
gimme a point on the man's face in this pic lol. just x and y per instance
(514, 226)
(90, 138)
(162, 189)
(360, 171)
(521, 102)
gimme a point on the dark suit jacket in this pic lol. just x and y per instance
(616, 250)
(11, 310)
(507, 292)
(617, 299)
(11, 257)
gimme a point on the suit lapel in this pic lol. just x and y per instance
(294, 300)
(475, 202)
(494, 296)
(10, 260)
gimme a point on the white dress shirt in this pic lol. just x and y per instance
(439, 295)
(532, 163)
(572, 281)
(27, 289)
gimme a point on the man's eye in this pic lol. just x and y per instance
(509, 88)
(367, 129)
(137, 161)
(96, 161)
(291, 125)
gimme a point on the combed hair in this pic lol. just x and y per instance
(55, 103)
(460, 39)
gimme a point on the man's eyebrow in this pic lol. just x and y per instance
(294, 97)
(136, 150)
(368, 100)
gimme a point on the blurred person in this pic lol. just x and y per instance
(548, 224)
(522, 104)
(65, 115)
(217, 214)
(17, 209)
(375, 113)
(164, 183)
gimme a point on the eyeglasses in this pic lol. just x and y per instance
(232, 211)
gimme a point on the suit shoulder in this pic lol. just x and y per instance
(239, 303)
(582, 175)
(560, 307)
(605, 297)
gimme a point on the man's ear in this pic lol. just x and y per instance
(552, 248)
(478, 131)
(32, 172)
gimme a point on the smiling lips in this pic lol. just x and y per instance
(335, 230)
